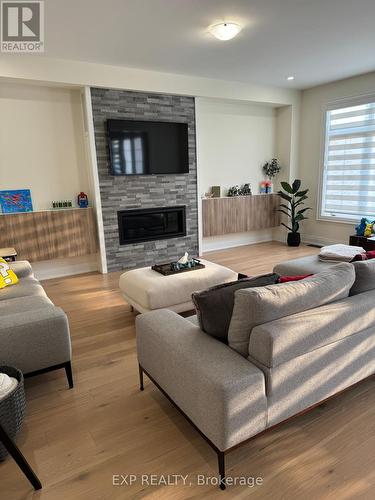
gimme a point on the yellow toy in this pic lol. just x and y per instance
(368, 230)
(7, 276)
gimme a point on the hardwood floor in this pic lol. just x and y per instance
(78, 439)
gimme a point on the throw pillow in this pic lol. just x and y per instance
(215, 305)
(7, 276)
(257, 306)
(364, 276)
(364, 256)
(286, 279)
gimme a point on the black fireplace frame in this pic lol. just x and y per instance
(154, 210)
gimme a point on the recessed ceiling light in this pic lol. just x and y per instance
(225, 31)
(290, 77)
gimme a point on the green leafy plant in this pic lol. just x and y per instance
(295, 199)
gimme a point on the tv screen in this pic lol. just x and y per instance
(147, 148)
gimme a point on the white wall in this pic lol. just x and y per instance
(42, 142)
(314, 102)
(234, 140)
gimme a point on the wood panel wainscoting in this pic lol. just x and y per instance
(50, 234)
(239, 214)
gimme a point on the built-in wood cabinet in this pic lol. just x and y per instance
(50, 234)
(239, 214)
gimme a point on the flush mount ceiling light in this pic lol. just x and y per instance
(291, 77)
(225, 31)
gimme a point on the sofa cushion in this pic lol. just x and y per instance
(215, 305)
(364, 276)
(24, 288)
(24, 304)
(305, 265)
(279, 341)
(22, 268)
(256, 306)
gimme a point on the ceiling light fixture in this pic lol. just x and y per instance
(225, 31)
(290, 77)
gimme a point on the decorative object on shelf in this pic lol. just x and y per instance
(178, 267)
(216, 191)
(246, 190)
(364, 226)
(82, 200)
(295, 199)
(265, 187)
(62, 204)
(271, 168)
(16, 200)
(234, 191)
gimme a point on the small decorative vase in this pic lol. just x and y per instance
(294, 239)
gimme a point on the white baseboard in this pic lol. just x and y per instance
(58, 268)
(213, 243)
(319, 240)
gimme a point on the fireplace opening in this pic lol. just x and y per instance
(149, 224)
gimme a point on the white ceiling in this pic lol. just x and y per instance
(316, 40)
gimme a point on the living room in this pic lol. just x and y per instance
(187, 227)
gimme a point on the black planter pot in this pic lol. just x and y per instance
(294, 239)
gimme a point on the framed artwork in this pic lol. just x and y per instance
(16, 200)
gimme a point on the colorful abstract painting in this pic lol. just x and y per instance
(17, 200)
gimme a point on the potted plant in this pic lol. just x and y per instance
(293, 209)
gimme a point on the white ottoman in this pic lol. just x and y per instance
(147, 290)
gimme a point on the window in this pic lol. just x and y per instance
(348, 184)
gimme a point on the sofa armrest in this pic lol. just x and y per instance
(34, 340)
(220, 391)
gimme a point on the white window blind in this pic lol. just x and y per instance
(348, 187)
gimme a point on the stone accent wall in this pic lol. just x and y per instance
(144, 191)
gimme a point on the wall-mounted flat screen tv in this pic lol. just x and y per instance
(147, 148)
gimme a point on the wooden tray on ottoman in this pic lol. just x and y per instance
(166, 269)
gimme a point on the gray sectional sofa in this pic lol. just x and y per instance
(291, 346)
(34, 334)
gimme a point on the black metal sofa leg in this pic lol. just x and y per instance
(19, 459)
(69, 373)
(141, 386)
(221, 464)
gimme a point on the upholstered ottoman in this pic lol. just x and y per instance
(305, 265)
(147, 290)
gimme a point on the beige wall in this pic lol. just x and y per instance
(234, 140)
(42, 142)
(314, 102)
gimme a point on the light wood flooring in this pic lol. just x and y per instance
(77, 439)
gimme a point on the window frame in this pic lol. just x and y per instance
(337, 104)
